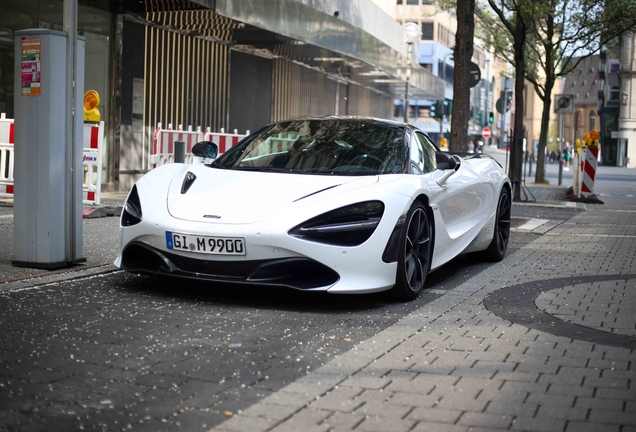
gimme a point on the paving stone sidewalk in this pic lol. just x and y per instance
(543, 341)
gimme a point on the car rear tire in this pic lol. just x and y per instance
(415, 251)
(499, 245)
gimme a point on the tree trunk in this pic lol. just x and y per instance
(543, 139)
(461, 90)
(516, 144)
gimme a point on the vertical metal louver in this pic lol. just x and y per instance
(298, 91)
(187, 69)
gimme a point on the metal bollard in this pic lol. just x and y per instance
(179, 151)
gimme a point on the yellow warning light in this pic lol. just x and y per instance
(91, 104)
(443, 142)
(577, 146)
(586, 138)
(594, 134)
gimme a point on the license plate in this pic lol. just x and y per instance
(205, 244)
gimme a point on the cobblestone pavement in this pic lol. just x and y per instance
(543, 341)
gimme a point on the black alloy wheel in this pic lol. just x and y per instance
(499, 245)
(414, 259)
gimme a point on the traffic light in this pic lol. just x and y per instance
(434, 110)
(448, 108)
(491, 117)
(453, 50)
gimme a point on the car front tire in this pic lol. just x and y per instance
(415, 250)
(499, 245)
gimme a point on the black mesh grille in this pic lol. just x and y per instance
(298, 273)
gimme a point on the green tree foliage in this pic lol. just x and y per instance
(546, 40)
(568, 32)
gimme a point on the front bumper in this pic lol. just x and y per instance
(292, 272)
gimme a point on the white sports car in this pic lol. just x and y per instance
(338, 204)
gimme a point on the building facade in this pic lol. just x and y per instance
(222, 64)
(435, 54)
(627, 106)
(617, 102)
(582, 83)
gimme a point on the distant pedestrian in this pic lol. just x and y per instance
(480, 146)
(471, 147)
(566, 156)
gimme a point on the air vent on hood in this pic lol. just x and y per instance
(187, 182)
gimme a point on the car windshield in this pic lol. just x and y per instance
(341, 147)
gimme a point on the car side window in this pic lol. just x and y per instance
(422, 154)
(416, 155)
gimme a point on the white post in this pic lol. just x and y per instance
(73, 226)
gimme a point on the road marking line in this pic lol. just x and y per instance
(531, 225)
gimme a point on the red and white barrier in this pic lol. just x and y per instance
(163, 145)
(589, 170)
(6, 156)
(6, 129)
(92, 160)
(164, 139)
(6, 190)
(223, 140)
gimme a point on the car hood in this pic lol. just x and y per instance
(242, 197)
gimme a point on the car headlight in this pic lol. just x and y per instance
(351, 225)
(131, 214)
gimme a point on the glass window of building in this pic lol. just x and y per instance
(428, 30)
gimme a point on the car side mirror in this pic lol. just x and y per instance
(446, 161)
(205, 149)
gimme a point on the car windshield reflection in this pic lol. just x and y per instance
(341, 147)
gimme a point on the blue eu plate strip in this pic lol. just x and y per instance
(169, 239)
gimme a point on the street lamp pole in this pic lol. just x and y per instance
(410, 33)
(409, 53)
(488, 97)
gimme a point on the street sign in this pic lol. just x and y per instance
(474, 74)
(485, 132)
(499, 104)
(564, 104)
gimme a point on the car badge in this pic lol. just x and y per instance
(212, 217)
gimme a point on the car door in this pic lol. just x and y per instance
(452, 202)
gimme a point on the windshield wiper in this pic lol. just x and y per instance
(214, 163)
(270, 169)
